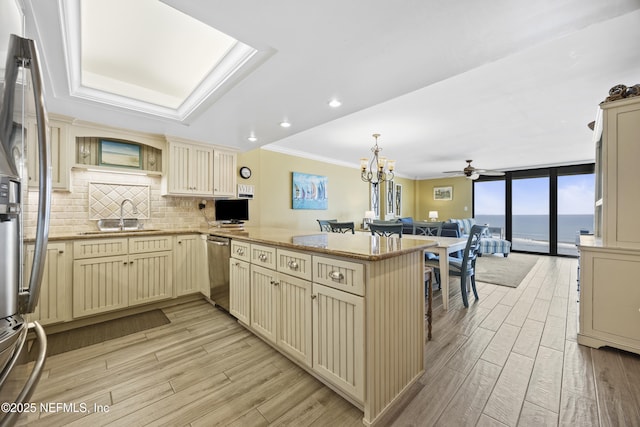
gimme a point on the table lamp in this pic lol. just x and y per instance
(368, 219)
(433, 215)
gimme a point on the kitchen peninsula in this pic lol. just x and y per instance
(347, 308)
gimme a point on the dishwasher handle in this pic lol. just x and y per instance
(219, 241)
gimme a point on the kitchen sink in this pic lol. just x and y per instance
(112, 226)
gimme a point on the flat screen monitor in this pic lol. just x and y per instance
(232, 210)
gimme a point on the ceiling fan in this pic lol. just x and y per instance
(474, 173)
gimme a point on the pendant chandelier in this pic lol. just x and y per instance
(378, 169)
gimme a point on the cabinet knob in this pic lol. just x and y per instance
(240, 251)
(179, 242)
(274, 283)
(60, 252)
(292, 265)
(314, 296)
(262, 257)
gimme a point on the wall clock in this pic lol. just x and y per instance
(245, 172)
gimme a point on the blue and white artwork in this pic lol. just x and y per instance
(309, 191)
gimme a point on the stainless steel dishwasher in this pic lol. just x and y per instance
(218, 253)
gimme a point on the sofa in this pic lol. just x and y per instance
(489, 244)
(409, 226)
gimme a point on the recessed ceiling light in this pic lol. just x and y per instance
(335, 103)
(285, 124)
(252, 138)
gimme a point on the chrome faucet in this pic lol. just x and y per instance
(134, 211)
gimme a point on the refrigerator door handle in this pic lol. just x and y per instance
(34, 377)
(25, 51)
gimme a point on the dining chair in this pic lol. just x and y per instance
(465, 268)
(445, 229)
(426, 228)
(342, 227)
(449, 229)
(324, 224)
(386, 230)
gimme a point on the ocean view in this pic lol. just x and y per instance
(536, 227)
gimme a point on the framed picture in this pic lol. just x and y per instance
(442, 193)
(390, 200)
(398, 200)
(309, 191)
(120, 154)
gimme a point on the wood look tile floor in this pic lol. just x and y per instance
(511, 359)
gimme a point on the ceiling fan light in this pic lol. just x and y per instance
(474, 176)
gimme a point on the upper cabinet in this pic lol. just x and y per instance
(620, 173)
(199, 170)
(58, 132)
(190, 170)
(224, 173)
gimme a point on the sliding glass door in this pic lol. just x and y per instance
(489, 203)
(530, 217)
(576, 195)
(540, 210)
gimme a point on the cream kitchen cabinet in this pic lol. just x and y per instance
(150, 276)
(609, 297)
(620, 173)
(281, 311)
(331, 312)
(110, 274)
(189, 257)
(338, 342)
(224, 173)
(60, 167)
(239, 290)
(54, 304)
(338, 323)
(190, 170)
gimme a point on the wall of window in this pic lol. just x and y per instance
(540, 210)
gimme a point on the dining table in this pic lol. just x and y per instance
(445, 247)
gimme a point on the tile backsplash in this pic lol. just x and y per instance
(106, 200)
(75, 211)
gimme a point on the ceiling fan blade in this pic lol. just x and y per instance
(491, 173)
(460, 172)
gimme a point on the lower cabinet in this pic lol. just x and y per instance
(609, 298)
(338, 338)
(281, 311)
(99, 285)
(54, 302)
(319, 326)
(239, 290)
(150, 277)
(333, 315)
(189, 259)
(110, 274)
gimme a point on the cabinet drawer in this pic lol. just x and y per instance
(99, 248)
(264, 256)
(294, 263)
(140, 245)
(339, 274)
(240, 250)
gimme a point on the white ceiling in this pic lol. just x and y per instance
(508, 84)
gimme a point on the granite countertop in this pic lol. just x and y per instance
(361, 246)
(53, 237)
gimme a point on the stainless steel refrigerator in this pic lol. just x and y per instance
(21, 99)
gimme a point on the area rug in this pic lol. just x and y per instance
(93, 334)
(503, 271)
